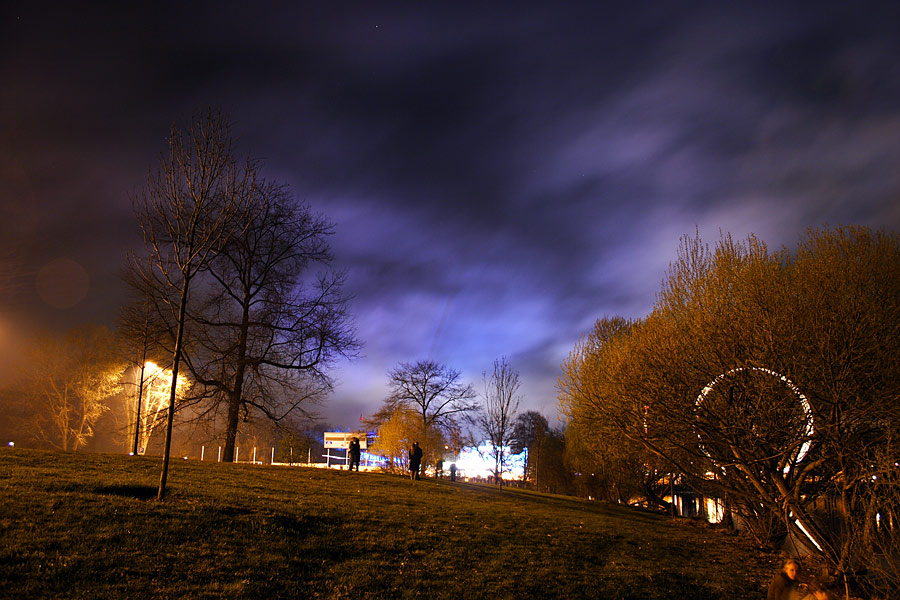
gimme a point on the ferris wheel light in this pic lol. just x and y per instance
(809, 428)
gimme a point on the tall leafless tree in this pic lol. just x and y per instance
(434, 391)
(269, 327)
(501, 403)
(190, 207)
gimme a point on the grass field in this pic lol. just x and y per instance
(88, 526)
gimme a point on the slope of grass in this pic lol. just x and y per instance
(88, 526)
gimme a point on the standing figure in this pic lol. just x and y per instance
(785, 585)
(452, 471)
(353, 451)
(415, 460)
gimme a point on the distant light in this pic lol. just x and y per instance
(476, 462)
(131, 454)
(11, 444)
(185, 458)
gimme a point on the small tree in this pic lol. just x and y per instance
(397, 430)
(501, 402)
(141, 336)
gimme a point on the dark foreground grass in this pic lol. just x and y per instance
(88, 526)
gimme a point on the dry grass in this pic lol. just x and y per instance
(88, 526)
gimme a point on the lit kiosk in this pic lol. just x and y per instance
(341, 440)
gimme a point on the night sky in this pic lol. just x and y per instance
(500, 174)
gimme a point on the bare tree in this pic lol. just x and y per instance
(190, 207)
(434, 391)
(67, 382)
(140, 336)
(501, 403)
(268, 330)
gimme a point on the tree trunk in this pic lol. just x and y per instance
(176, 360)
(231, 424)
(137, 419)
(234, 397)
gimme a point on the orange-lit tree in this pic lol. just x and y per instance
(397, 430)
(66, 384)
(434, 392)
(607, 434)
(774, 373)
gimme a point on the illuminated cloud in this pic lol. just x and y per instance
(498, 179)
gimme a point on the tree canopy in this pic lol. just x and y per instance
(433, 390)
(772, 375)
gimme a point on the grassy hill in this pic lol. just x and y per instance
(88, 526)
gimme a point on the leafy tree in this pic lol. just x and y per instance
(67, 383)
(397, 429)
(621, 469)
(606, 435)
(846, 309)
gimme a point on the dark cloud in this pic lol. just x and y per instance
(499, 176)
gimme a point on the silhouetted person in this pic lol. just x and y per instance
(785, 585)
(452, 471)
(415, 460)
(439, 467)
(353, 451)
